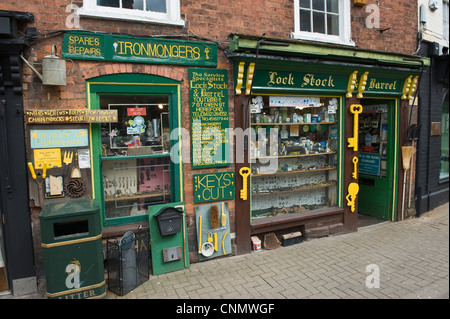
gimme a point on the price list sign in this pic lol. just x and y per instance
(210, 141)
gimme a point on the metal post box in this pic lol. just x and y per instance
(169, 221)
(72, 250)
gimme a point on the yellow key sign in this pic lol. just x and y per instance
(50, 155)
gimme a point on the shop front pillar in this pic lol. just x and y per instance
(350, 218)
(243, 243)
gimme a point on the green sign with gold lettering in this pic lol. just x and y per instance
(121, 48)
(208, 97)
(213, 187)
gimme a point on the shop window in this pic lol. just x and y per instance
(294, 155)
(444, 141)
(131, 180)
(133, 158)
(323, 20)
(158, 11)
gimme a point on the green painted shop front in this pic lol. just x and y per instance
(383, 84)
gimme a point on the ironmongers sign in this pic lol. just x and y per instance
(121, 48)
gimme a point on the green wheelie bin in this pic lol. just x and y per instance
(72, 250)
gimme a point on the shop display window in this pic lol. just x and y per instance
(294, 168)
(135, 157)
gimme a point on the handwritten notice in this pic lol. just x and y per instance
(208, 92)
(213, 187)
(70, 116)
(51, 156)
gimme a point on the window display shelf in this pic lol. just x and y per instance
(299, 188)
(134, 197)
(298, 123)
(107, 158)
(292, 156)
(298, 171)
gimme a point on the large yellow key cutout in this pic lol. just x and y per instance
(353, 190)
(355, 109)
(244, 172)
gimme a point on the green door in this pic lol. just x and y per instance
(377, 158)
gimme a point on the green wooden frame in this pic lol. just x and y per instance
(135, 84)
(393, 148)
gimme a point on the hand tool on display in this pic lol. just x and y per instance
(76, 172)
(355, 109)
(223, 217)
(39, 179)
(68, 155)
(353, 190)
(223, 243)
(244, 172)
(215, 241)
(200, 235)
(214, 216)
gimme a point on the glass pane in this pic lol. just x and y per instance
(135, 154)
(138, 4)
(333, 6)
(127, 4)
(142, 127)
(318, 22)
(332, 24)
(156, 5)
(109, 3)
(305, 3)
(319, 5)
(305, 20)
(130, 185)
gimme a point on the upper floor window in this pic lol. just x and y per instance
(323, 20)
(157, 11)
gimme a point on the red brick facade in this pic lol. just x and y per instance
(214, 20)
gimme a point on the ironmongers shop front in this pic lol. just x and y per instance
(141, 127)
(327, 124)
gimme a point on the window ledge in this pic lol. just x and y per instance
(322, 38)
(127, 17)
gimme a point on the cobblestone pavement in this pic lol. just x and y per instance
(412, 257)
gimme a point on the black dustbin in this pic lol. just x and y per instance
(169, 221)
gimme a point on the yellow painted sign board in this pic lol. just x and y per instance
(50, 155)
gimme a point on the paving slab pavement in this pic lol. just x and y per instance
(391, 260)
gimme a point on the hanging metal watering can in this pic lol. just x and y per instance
(53, 69)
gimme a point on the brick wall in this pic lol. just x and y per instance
(213, 19)
(398, 17)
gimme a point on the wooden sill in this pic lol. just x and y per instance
(263, 225)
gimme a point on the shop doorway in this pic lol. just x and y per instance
(377, 165)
